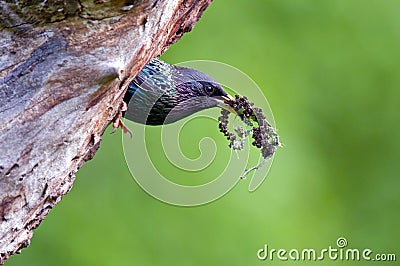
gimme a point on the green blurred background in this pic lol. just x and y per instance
(331, 73)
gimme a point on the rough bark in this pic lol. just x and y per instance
(64, 68)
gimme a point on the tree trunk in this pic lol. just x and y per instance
(64, 69)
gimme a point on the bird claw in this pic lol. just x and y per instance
(117, 122)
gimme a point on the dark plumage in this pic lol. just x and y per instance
(162, 93)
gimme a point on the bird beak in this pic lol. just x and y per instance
(221, 103)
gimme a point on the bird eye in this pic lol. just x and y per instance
(209, 89)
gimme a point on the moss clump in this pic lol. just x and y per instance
(264, 135)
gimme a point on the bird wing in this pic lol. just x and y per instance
(156, 76)
(153, 79)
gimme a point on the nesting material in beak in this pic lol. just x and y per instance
(221, 102)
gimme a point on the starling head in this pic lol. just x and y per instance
(163, 93)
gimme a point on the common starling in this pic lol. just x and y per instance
(162, 93)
